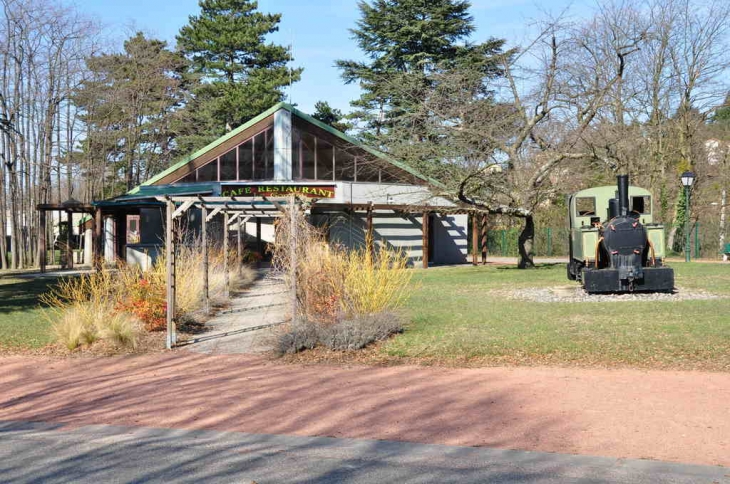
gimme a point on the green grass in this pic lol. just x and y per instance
(460, 316)
(22, 324)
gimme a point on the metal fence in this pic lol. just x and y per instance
(553, 242)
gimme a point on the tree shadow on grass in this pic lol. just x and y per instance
(17, 295)
(540, 266)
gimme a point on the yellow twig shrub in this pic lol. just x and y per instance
(111, 304)
(334, 284)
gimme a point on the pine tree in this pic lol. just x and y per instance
(242, 75)
(127, 105)
(405, 41)
(330, 116)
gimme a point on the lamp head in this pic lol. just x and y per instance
(688, 178)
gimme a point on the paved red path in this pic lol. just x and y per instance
(674, 416)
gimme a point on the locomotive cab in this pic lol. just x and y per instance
(615, 245)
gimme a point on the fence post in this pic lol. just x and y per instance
(504, 243)
(549, 242)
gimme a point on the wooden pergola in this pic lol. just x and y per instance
(70, 207)
(234, 210)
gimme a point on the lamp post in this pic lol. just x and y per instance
(687, 179)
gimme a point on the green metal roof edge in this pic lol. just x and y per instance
(187, 159)
(288, 107)
(360, 144)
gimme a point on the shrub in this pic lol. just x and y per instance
(346, 298)
(115, 304)
(351, 334)
(189, 295)
(299, 336)
(335, 284)
(357, 333)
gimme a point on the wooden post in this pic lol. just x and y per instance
(258, 236)
(69, 240)
(425, 240)
(239, 245)
(474, 238)
(98, 256)
(170, 255)
(42, 241)
(369, 236)
(206, 264)
(484, 238)
(293, 256)
(225, 253)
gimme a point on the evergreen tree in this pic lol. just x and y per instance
(241, 74)
(722, 113)
(405, 41)
(330, 116)
(127, 105)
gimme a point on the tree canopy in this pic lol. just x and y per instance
(408, 40)
(241, 73)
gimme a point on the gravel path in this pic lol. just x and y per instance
(671, 416)
(247, 326)
(576, 294)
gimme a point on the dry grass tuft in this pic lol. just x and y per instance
(82, 324)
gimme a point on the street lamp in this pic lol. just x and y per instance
(687, 179)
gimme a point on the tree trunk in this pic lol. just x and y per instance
(525, 244)
(723, 208)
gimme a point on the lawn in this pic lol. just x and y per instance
(22, 324)
(460, 316)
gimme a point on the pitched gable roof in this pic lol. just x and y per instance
(261, 117)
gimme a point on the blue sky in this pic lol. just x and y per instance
(319, 31)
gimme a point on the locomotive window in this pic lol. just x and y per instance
(585, 206)
(641, 205)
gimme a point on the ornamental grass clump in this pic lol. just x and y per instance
(84, 310)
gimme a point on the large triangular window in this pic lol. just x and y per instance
(252, 159)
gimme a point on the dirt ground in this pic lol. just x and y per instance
(673, 416)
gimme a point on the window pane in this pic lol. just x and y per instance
(259, 163)
(209, 172)
(641, 205)
(307, 154)
(344, 165)
(324, 160)
(133, 235)
(387, 176)
(367, 170)
(245, 161)
(585, 206)
(228, 166)
(295, 158)
(269, 155)
(189, 178)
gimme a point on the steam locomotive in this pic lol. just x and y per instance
(615, 246)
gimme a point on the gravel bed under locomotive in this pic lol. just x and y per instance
(615, 246)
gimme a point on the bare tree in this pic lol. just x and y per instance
(42, 47)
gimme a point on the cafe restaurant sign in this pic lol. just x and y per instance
(311, 191)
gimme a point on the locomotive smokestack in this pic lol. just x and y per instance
(623, 195)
